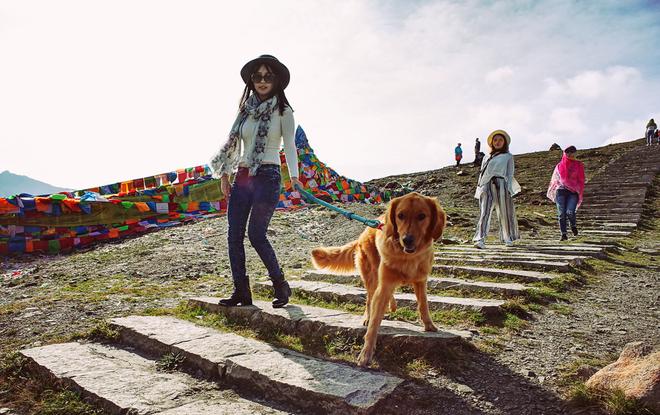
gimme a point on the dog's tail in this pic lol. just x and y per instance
(336, 258)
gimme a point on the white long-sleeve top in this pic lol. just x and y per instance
(282, 129)
(499, 166)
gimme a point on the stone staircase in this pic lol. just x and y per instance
(614, 198)
(226, 373)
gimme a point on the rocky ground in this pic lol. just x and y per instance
(523, 370)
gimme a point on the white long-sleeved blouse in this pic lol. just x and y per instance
(500, 165)
(282, 129)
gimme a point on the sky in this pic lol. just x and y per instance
(96, 92)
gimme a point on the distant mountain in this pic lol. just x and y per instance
(13, 184)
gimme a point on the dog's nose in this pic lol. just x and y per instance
(408, 240)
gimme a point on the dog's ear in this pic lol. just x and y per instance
(438, 219)
(390, 228)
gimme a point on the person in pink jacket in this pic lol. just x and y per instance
(566, 190)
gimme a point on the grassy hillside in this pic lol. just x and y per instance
(533, 171)
(455, 187)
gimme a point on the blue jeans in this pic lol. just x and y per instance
(255, 197)
(566, 205)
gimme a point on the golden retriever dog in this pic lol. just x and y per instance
(400, 254)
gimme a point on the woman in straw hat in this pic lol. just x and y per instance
(495, 189)
(264, 121)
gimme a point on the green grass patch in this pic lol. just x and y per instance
(100, 333)
(609, 402)
(562, 309)
(461, 318)
(514, 323)
(418, 368)
(64, 402)
(169, 362)
(544, 295)
(491, 345)
(303, 298)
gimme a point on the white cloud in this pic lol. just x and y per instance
(567, 120)
(95, 92)
(498, 75)
(595, 84)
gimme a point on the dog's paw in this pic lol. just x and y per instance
(365, 357)
(430, 327)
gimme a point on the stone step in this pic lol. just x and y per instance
(301, 320)
(621, 192)
(613, 224)
(610, 221)
(356, 295)
(606, 227)
(514, 274)
(620, 183)
(566, 250)
(596, 204)
(612, 218)
(607, 212)
(604, 205)
(562, 266)
(506, 254)
(259, 369)
(507, 289)
(617, 217)
(588, 201)
(605, 232)
(122, 382)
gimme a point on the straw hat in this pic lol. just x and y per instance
(496, 132)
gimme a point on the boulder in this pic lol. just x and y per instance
(636, 373)
(555, 146)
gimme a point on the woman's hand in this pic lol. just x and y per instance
(224, 185)
(295, 182)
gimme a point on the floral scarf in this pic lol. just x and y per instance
(226, 160)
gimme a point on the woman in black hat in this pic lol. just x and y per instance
(264, 120)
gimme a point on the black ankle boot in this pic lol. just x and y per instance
(564, 237)
(282, 292)
(575, 230)
(241, 295)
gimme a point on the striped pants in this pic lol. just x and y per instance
(496, 195)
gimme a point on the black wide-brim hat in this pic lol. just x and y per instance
(283, 74)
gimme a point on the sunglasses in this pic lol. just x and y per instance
(269, 78)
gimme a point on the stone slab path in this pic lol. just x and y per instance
(507, 289)
(256, 367)
(538, 247)
(514, 274)
(556, 266)
(355, 295)
(304, 320)
(122, 382)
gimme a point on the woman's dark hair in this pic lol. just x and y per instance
(282, 102)
(570, 149)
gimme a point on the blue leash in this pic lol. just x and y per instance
(373, 223)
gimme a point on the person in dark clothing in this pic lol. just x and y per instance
(651, 129)
(264, 122)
